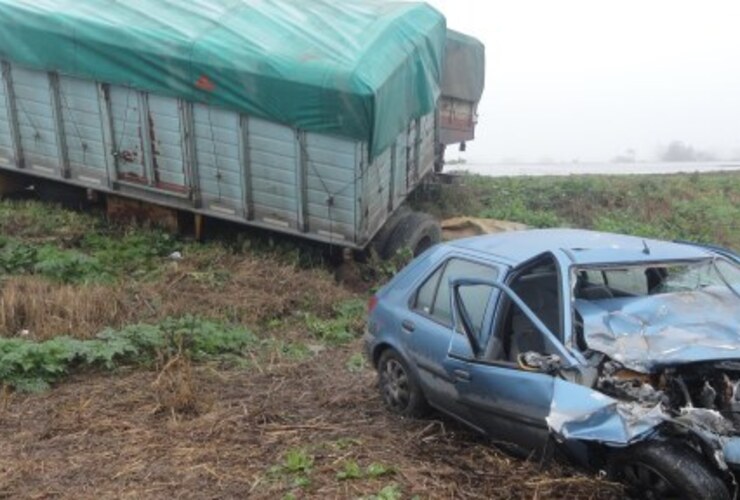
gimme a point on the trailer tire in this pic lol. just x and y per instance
(380, 241)
(416, 231)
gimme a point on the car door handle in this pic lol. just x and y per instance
(461, 375)
(408, 325)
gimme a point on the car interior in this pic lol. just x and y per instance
(538, 287)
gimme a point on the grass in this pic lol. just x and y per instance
(65, 277)
(704, 208)
(345, 325)
(64, 273)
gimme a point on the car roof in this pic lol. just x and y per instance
(581, 246)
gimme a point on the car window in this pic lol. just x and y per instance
(655, 279)
(433, 297)
(594, 278)
(425, 295)
(630, 280)
(475, 299)
(730, 272)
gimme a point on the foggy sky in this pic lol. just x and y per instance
(585, 80)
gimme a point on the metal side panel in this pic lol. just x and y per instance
(274, 166)
(412, 155)
(166, 130)
(400, 184)
(37, 121)
(82, 119)
(125, 116)
(331, 170)
(377, 184)
(7, 154)
(426, 145)
(217, 155)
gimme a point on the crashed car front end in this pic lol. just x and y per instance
(664, 362)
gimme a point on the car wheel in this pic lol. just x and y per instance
(399, 388)
(664, 469)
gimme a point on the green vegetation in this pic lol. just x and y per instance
(379, 470)
(343, 327)
(96, 259)
(296, 462)
(704, 208)
(296, 466)
(389, 492)
(32, 366)
(357, 363)
(352, 470)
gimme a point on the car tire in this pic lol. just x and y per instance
(399, 388)
(666, 469)
(417, 231)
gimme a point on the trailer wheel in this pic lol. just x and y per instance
(416, 231)
(380, 241)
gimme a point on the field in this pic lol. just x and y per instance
(136, 364)
(699, 207)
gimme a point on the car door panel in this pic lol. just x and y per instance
(431, 332)
(509, 404)
(429, 344)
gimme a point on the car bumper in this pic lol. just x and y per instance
(369, 342)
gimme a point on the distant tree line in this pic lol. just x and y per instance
(678, 151)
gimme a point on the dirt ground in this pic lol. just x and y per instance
(102, 436)
(298, 417)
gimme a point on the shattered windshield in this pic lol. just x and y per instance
(598, 283)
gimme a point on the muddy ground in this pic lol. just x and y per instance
(101, 436)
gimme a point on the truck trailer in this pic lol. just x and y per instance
(313, 118)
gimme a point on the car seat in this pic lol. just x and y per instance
(540, 293)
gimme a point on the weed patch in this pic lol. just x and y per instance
(357, 363)
(389, 492)
(296, 467)
(33, 366)
(352, 470)
(344, 327)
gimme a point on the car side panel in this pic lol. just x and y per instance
(509, 404)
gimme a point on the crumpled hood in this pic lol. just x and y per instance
(646, 333)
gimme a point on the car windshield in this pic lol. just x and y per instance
(607, 282)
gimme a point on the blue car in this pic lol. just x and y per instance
(618, 353)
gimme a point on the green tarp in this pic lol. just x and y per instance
(464, 75)
(356, 68)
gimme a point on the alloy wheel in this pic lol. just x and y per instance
(394, 383)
